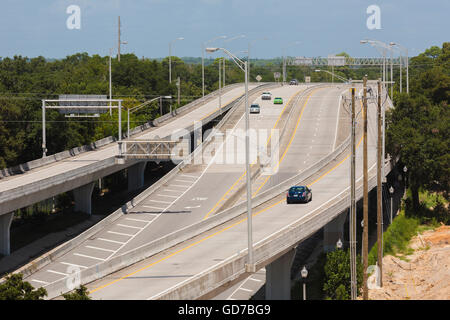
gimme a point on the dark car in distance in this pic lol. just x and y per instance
(299, 194)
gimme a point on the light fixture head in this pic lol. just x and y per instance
(304, 272)
(211, 50)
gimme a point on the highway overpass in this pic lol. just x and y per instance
(313, 147)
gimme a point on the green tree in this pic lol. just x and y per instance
(337, 275)
(80, 293)
(14, 288)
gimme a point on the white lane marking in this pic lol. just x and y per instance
(57, 272)
(151, 207)
(74, 265)
(171, 190)
(90, 257)
(159, 201)
(179, 186)
(185, 175)
(108, 240)
(127, 226)
(179, 180)
(40, 281)
(139, 220)
(257, 280)
(166, 195)
(192, 207)
(119, 233)
(248, 290)
(101, 249)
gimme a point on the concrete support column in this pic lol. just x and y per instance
(135, 176)
(333, 231)
(5, 224)
(278, 277)
(83, 197)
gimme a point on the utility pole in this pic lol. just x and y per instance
(160, 106)
(353, 204)
(179, 91)
(220, 92)
(379, 187)
(365, 240)
(118, 45)
(223, 81)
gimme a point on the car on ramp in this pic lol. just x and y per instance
(297, 194)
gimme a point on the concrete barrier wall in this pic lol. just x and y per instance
(50, 256)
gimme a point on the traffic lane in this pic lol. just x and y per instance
(111, 150)
(227, 243)
(313, 139)
(212, 183)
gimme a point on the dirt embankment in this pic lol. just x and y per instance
(423, 275)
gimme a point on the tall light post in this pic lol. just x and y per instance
(381, 45)
(224, 60)
(110, 81)
(405, 50)
(243, 65)
(119, 42)
(304, 274)
(203, 61)
(391, 191)
(284, 58)
(170, 57)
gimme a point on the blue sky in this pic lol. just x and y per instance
(32, 28)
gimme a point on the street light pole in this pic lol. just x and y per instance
(170, 58)
(304, 274)
(243, 65)
(391, 191)
(110, 82)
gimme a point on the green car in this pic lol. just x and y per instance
(278, 100)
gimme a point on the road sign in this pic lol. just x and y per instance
(276, 75)
(258, 78)
(83, 100)
(336, 60)
(307, 79)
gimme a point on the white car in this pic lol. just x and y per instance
(255, 108)
(266, 96)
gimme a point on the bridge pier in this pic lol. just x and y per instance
(83, 198)
(278, 277)
(5, 224)
(135, 175)
(333, 231)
